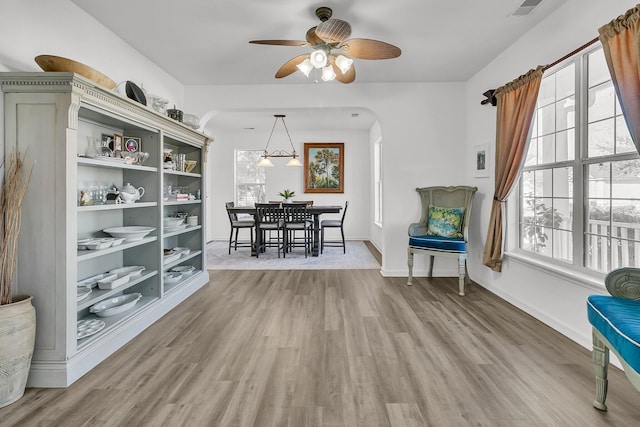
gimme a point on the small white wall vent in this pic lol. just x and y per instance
(526, 7)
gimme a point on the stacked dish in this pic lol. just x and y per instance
(99, 243)
(116, 305)
(186, 270)
(130, 233)
(182, 251)
(172, 278)
(89, 327)
(170, 256)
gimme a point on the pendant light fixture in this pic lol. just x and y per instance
(265, 162)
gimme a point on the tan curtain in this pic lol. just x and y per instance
(516, 105)
(621, 42)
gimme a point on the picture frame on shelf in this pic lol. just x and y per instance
(106, 141)
(324, 167)
(132, 144)
(117, 142)
(482, 160)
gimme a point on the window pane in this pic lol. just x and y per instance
(534, 125)
(597, 253)
(543, 183)
(599, 212)
(547, 92)
(527, 184)
(563, 245)
(565, 145)
(601, 102)
(563, 182)
(563, 214)
(565, 113)
(546, 149)
(598, 70)
(601, 138)
(598, 180)
(547, 120)
(565, 82)
(625, 177)
(532, 153)
(624, 143)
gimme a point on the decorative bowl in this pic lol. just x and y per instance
(190, 165)
(171, 257)
(172, 278)
(131, 233)
(116, 305)
(58, 63)
(182, 251)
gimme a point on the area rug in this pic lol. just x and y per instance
(358, 257)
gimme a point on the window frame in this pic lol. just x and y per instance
(235, 174)
(576, 270)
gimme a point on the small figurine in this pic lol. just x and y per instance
(85, 198)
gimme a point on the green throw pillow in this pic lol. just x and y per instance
(445, 222)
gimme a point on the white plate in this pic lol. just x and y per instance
(172, 278)
(113, 281)
(97, 244)
(130, 271)
(184, 269)
(83, 292)
(175, 228)
(92, 281)
(130, 233)
(116, 305)
(182, 251)
(172, 222)
(89, 327)
(171, 257)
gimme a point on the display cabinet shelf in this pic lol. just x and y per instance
(181, 260)
(197, 275)
(59, 120)
(84, 254)
(112, 321)
(98, 295)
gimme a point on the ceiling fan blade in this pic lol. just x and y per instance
(369, 49)
(290, 66)
(334, 30)
(312, 37)
(281, 42)
(347, 77)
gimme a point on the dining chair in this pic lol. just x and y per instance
(270, 217)
(334, 223)
(296, 219)
(236, 226)
(443, 229)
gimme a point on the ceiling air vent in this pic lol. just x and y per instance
(526, 7)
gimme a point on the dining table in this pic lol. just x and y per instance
(315, 211)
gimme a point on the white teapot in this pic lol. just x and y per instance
(129, 194)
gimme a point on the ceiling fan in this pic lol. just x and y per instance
(331, 34)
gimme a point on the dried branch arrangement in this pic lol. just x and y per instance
(14, 188)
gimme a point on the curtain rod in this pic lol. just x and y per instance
(489, 93)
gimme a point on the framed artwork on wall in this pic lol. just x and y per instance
(482, 160)
(324, 167)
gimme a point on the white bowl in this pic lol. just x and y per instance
(117, 305)
(131, 233)
(173, 222)
(184, 269)
(172, 278)
(182, 251)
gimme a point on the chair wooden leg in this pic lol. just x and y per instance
(410, 264)
(235, 247)
(600, 357)
(461, 275)
(321, 239)
(432, 260)
(230, 240)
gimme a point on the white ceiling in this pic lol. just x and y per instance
(205, 42)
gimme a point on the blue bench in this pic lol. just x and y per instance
(615, 322)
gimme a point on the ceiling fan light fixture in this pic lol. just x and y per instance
(343, 63)
(318, 58)
(305, 67)
(328, 74)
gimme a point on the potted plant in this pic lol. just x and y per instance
(287, 194)
(17, 314)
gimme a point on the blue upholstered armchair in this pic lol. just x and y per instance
(443, 227)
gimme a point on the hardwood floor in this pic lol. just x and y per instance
(337, 348)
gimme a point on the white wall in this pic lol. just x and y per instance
(220, 178)
(422, 125)
(555, 298)
(29, 28)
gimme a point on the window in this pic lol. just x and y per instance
(580, 187)
(377, 178)
(250, 178)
